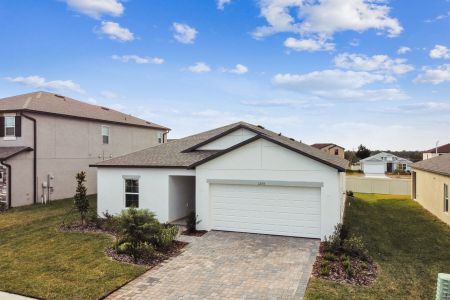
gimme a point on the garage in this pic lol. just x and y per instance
(373, 168)
(273, 209)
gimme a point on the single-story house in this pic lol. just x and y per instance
(430, 185)
(330, 148)
(240, 177)
(441, 150)
(384, 162)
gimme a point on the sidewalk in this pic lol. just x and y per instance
(8, 296)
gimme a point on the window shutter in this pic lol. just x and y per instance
(2, 126)
(18, 126)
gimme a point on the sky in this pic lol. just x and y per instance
(350, 72)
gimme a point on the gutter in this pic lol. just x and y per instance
(34, 156)
(9, 181)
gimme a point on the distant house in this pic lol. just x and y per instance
(444, 149)
(430, 185)
(384, 162)
(330, 148)
(45, 139)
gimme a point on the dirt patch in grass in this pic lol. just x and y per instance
(152, 260)
(194, 233)
(362, 272)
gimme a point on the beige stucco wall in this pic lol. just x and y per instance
(66, 146)
(331, 148)
(430, 193)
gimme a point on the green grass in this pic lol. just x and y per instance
(410, 246)
(39, 261)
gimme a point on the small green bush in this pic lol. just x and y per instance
(324, 268)
(110, 223)
(334, 243)
(354, 246)
(166, 235)
(329, 256)
(349, 193)
(192, 222)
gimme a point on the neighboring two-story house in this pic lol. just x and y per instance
(330, 148)
(45, 139)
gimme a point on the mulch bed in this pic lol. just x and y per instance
(364, 272)
(151, 261)
(194, 233)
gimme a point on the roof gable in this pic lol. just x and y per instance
(440, 149)
(439, 165)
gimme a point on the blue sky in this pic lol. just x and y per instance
(342, 71)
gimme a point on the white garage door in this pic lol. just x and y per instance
(374, 169)
(278, 210)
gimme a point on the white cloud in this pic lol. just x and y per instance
(440, 51)
(108, 94)
(199, 67)
(382, 63)
(138, 59)
(403, 50)
(435, 76)
(331, 79)
(324, 18)
(238, 69)
(221, 4)
(310, 45)
(184, 33)
(41, 83)
(116, 32)
(286, 103)
(97, 8)
(431, 106)
(362, 95)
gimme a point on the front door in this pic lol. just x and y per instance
(389, 167)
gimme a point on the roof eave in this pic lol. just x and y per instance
(431, 171)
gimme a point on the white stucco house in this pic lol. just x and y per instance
(239, 177)
(383, 162)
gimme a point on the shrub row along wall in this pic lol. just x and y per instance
(392, 186)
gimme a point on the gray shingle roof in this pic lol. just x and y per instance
(7, 152)
(181, 152)
(439, 165)
(44, 102)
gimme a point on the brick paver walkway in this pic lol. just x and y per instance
(228, 265)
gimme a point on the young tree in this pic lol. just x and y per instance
(362, 152)
(80, 199)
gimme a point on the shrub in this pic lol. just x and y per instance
(81, 201)
(110, 223)
(95, 219)
(334, 243)
(349, 193)
(166, 235)
(324, 268)
(354, 246)
(329, 256)
(347, 265)
(192, 222)
(3, 207)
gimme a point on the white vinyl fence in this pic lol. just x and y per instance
(393, 186)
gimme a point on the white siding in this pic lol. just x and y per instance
(229, 140)
(263, 160)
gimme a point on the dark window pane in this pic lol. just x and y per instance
(10, 131)
(131, 186)
(131, 200)
(105, 139)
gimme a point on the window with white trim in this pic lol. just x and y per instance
(10, 126)
(445, 198)
(160, 137)
(131, 192)
(105, 134)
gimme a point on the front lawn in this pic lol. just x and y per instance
(39, 261)
(409, 244)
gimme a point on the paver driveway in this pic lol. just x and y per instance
(228, 265)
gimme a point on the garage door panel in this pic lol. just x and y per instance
(279, 210)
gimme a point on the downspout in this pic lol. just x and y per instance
(34, 155)
(9, 181)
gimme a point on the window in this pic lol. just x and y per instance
(336, 151)
(10, 126)
(445, 198)
(131, 192)
(105, 134)
(160, 137)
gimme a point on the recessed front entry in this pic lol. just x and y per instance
(277, 210)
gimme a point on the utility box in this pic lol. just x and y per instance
(443, 287)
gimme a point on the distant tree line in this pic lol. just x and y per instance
(364, 152)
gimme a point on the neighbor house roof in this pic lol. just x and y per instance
(183, 153)
(439, 165)
(54, 104)
(323, 145)
(379, 157)
(8, 152)
(441, 149)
